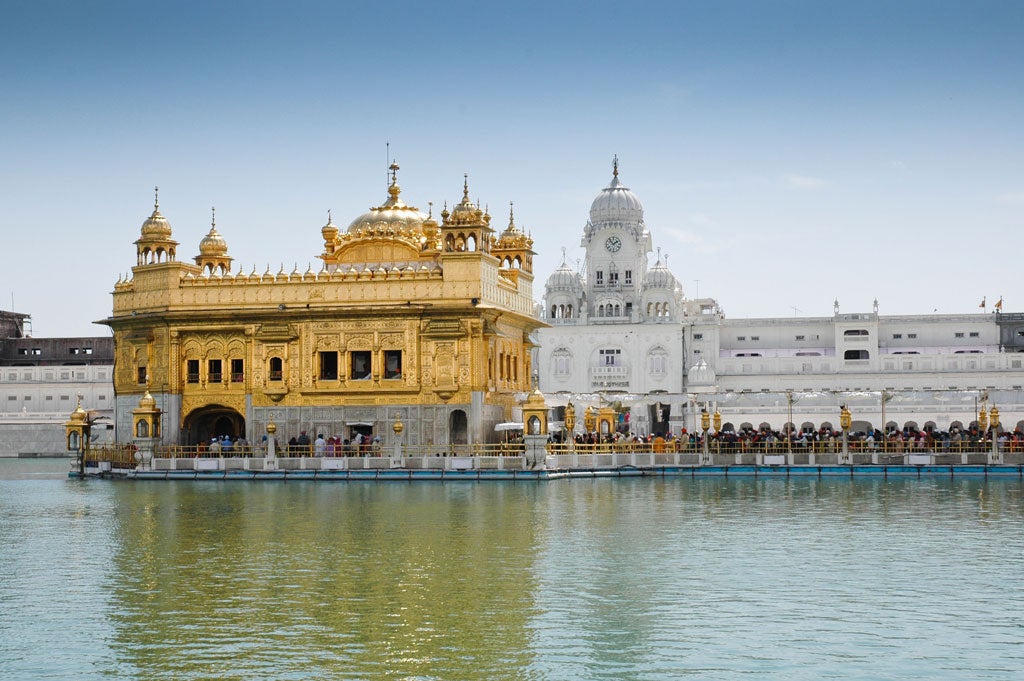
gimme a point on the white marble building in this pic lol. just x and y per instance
(624, 332)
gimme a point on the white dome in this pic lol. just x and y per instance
(565, 279)
(616, 203)
(701, 374)
(660, 277)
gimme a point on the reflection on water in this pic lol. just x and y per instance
(583, 579)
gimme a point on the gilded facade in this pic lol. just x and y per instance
(406, 318)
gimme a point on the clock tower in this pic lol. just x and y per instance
(617, 244)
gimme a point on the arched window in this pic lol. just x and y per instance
(276, 369)
(561, 362)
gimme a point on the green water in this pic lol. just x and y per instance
(574, 579)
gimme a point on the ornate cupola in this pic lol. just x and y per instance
(392, 232)
(514, 249)
(467, 227)
(155, 244)
(213, 250)
(330, 234)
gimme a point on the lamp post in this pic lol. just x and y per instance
(397, 427)
(77, 430)
(845, 421)
(982, 425)
(705, 423)
(994, 423)
(570, 425)
(886, 396)
(716, 421)
(789, 422)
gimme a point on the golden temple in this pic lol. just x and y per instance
(407, 319)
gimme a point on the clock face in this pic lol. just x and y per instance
(613, 243)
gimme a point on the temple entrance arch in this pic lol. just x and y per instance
(213, 420)
(458, 426)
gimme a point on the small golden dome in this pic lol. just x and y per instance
(79, 415)
(147, 401)
(213, 244)
(156, 225)
(330, 230)
(536, 399)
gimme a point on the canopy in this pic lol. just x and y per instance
(508, 425)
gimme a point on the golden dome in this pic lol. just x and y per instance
(79, 415)
(147, 401)
(512, 237)
(330, 230)
(393, 215)
(156, 225)
(213, 244)
(466, 212)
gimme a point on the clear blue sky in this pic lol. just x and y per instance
(787, 153)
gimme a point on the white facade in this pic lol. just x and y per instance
(623, 332)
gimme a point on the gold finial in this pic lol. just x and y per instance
(465, 187)
(394, 172)
(329, 220)
(511, 216)
(615, 165)
(156, 198)
(213, 218)
(430, 209)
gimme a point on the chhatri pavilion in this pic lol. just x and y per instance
(406, 320)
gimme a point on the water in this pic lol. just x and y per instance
(583, 579)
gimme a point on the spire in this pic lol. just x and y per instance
(156, 199)
(511, 217)
(213, 219)
(465, 187)
(563, 255)
(615, 165)
(394, 172)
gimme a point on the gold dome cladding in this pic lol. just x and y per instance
(394, 214)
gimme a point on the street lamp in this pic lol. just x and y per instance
(982, 425)
(397, 427)
(994, 421)
(845, 421)
(78, 432)
(717, 421)
(705, 423)
(886, 396)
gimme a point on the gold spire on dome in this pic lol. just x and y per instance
(615, 165)
(394, 215)
(511, 230)
(330, 230)
(213, 244)
(466, 212)
(156, 225)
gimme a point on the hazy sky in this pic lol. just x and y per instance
(786, 153)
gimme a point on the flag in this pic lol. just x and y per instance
(982, 302)
(999, 305)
